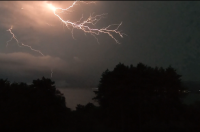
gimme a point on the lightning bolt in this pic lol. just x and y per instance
(33, 49)
(90, 20)
(80, 24)
(15, 38)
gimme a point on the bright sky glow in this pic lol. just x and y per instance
(84, 25)
(52, 7)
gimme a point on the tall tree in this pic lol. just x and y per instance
(140, 93)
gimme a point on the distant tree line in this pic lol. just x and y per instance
(131, 98)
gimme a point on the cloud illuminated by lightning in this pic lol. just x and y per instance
(91, 20)
(81, 25)
(78, 25)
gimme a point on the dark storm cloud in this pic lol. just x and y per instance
(162, 33)
(25, 67)
(22, 63)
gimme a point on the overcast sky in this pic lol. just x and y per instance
(158, 34)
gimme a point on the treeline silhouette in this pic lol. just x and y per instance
(131, 98)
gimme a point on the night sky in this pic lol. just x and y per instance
(158, 34)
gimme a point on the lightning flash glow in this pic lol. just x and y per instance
(81, 25)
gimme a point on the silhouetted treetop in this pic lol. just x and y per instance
(4, 83)
(129, 89)
(43, 83)
(141, 78)
(32, 107)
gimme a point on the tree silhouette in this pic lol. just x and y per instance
(131, 98)
(39, 106)
(136, 95)
(88, 118)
